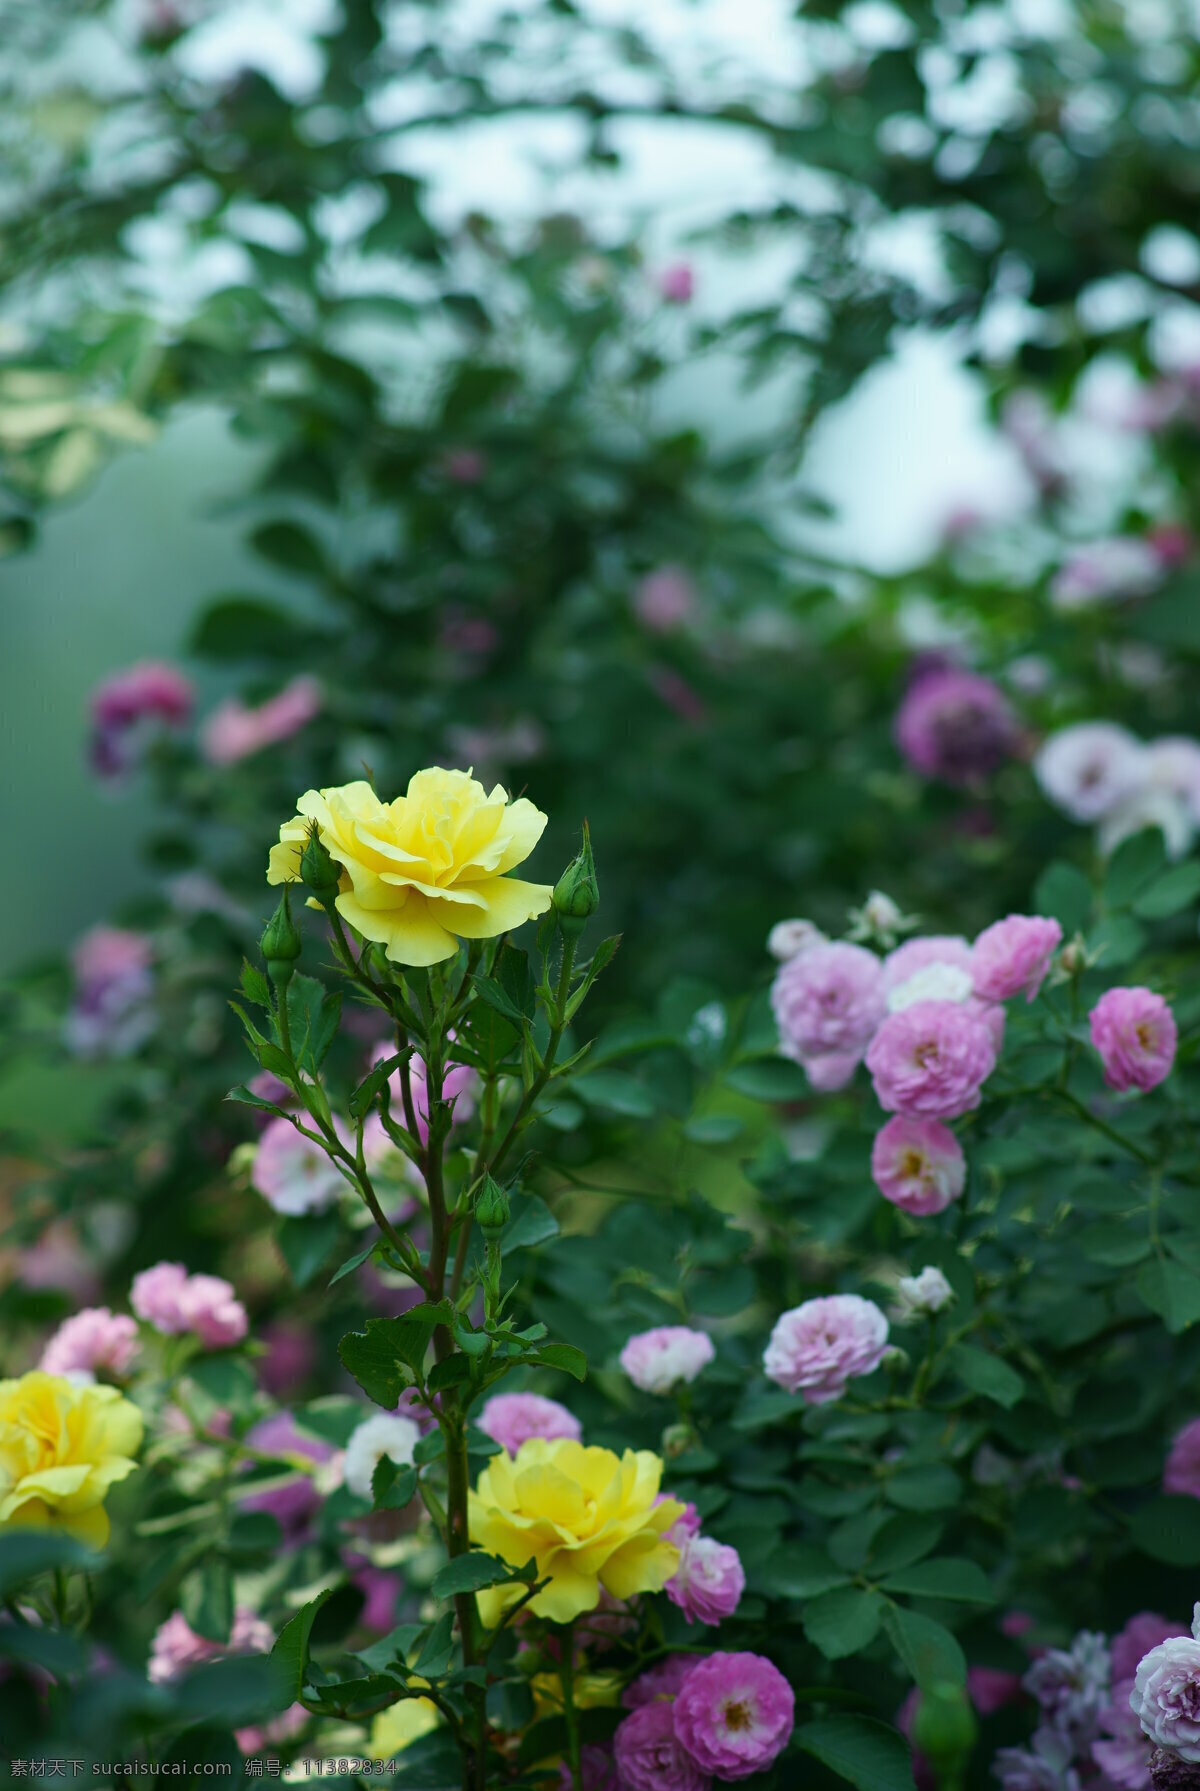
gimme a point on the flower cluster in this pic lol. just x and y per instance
(1099, 773)
(129, 707)
(173, 1302)
(727, 1717)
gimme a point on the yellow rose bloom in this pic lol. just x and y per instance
(424, 871)
(586, 1516)
(400, 1725)
(61, 1448)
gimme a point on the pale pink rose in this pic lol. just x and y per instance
(91, 1340)
(256, 1740)
(827, 1003)
(1172, 764)
(818, 1346)
(665, 600)
(1134, 1032)
(1142, 1632)
(176, 1646)
(933, 949)
(1012, 956)
(293, 1174)
(1182, 1472)
(651, 1757)
(828, 1074)
(234, 731)
(111, 1009)
(1106, 572)
(931, 1060)
(686, 1525)
(1089, 769)
(709, 1581)
(734, 1714)
(510, 1419)
(1123, 1754)
(676, 282)
(58, 1260)
(918, 1165)
(1166, 1694)
(658, 1360)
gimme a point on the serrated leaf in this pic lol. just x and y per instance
(291, 1644)
(362, 1097)
(385, 1358)
(472, 1572)
(351, 1263)
(561, 1355)
(800, 1571)
(1176, 889)
(255, 986)
(435, 1653)
(1172, 1291)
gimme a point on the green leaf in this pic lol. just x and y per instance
(57, 1650)
(247, 1689)
(842, 1621)
(1113, 1244)
(1167, 1528)
(435, 1654)
(451, 1371)
(714, 1128)
(986, 1374)
(291, 1644)
(473, 1571)
(246, 1098)
(902, 1540)
(932, 1488)
(769, 1079)
(498, 997)
(531, 1223)
(1118, 939)
(307, 1243)
(950, 1576)
(26, 1553)
(1172, 1291)
(392, 1487)
(864, 1752)
(288, 545)
(929, 1651)
(1176, 889)
(353, 1262)
(362, 1097)
(386, 1357)
(802, 1571)
(246, 628)
(255, 986)
(1064, 894)
(561, 1355)
(616, 1090)
(313, 1016)
(1135, 863)
(206, 1599)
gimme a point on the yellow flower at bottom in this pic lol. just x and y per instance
(61, 1448)
(400, 1725)
(422, 872)
(587, 1517)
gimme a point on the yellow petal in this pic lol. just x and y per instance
(508, 902)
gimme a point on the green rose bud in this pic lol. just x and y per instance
(491, 1208)
(676, 1439)
(281, 944)
(577, 893)
(320, 873)
(944, 1729)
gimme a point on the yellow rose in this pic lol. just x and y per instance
(420, 873)
(400, 1725)
(589, 1691)
(61, 1448)
(586, 1516)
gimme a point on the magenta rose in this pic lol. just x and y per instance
(650, 1756)
(709, 1581)
(734, 1714)
(956, 726)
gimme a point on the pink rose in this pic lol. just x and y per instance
(1142, 1633)
(176, 1646)
(931, 1060)
(676, 283)
(660, 1681)
(1012, 956)
(918, 1165)
(510, 1419)
(665, 600)
(173, 1301)
(709, 1581)
(955, 726)
(234, 731)
(90, 1340)
(1134, 1032)
(817, 1347)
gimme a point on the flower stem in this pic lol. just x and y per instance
(567, 1674)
